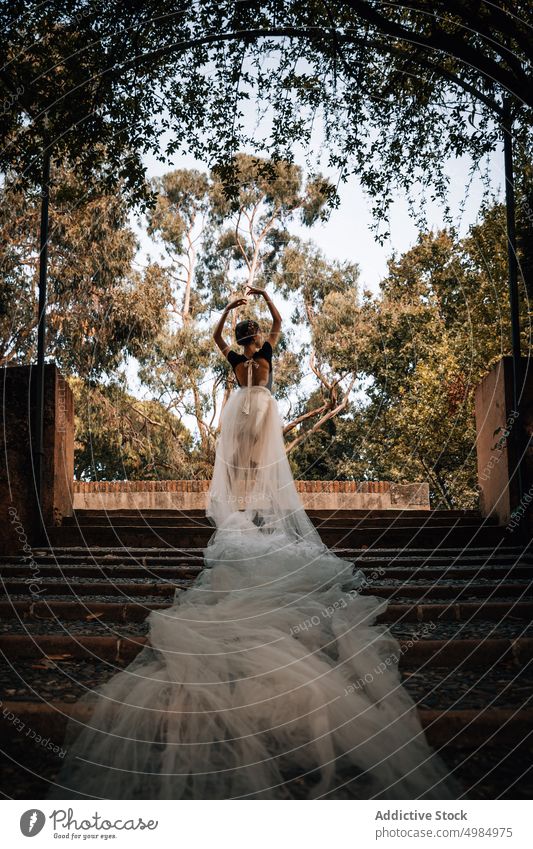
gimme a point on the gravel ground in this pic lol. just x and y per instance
(99, 579)
(490, 772)
(477, 629)
(91, 628)
(433, 597)
(49, 680)
(505, 685)
(378, 581)
(388, 581)
(162, 598)
(420, 565)
(89, 598)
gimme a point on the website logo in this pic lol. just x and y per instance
(32, 822)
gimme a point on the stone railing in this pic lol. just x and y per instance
(191, 495)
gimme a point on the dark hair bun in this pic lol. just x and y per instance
(245, 331)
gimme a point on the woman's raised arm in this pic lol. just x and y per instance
(217, 335)
(276, 317)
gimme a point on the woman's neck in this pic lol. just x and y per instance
(250, 349)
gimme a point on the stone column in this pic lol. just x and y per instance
(502, 434)
(19, 509)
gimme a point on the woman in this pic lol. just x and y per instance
(268, 677)
(245, 422)
(251, 473)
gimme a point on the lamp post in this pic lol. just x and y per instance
(512, 264)
(41, 337)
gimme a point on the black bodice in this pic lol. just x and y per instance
(264, 353)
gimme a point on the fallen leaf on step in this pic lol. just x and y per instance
(48, 660)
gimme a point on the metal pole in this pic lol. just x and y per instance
(41, 334)
(513, 280)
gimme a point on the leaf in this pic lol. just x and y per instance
(50, 659)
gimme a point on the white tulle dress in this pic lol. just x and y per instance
(268, 678)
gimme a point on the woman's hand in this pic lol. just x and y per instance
(253, 290)
(238, 302)
(276, 317)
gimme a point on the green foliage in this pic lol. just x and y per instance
(182, 197)
(101, 313)
(100, 309)
(375, 386)
(121, 437)
(390, 92)
(220, 233)
(421, 346)
(396, 90)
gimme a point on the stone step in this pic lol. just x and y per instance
(89, 625)
(475, 740)
(470, 687)
(143, 536)
(485, 753)
(481, 653)
(492, 771)
(467, 728)
(402, 520)
(185, 570)
(363, 552)
(313, 513)
(108, 556)
(461, 606)
(411, 591)
(67, 611)
(519, 561)
(75, 572)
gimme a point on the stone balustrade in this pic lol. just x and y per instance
(192, 495)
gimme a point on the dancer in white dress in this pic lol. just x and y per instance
(268, 678)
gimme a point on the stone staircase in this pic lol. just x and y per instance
(460, 593)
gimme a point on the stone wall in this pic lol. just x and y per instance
(19, 509)
(502, 434)
(191, 495)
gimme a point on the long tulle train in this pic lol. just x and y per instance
(269, 677)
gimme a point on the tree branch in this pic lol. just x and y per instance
(305, 416)
(330, 415)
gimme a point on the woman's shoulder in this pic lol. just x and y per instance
(266, 350)
(233, 357)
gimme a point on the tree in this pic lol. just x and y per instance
(122, 437)
(421, 347)
(313, 284)
(74, 80)
(246, 209)
(178, 222)
(100, 308)
(398, 89)
(261, 197)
